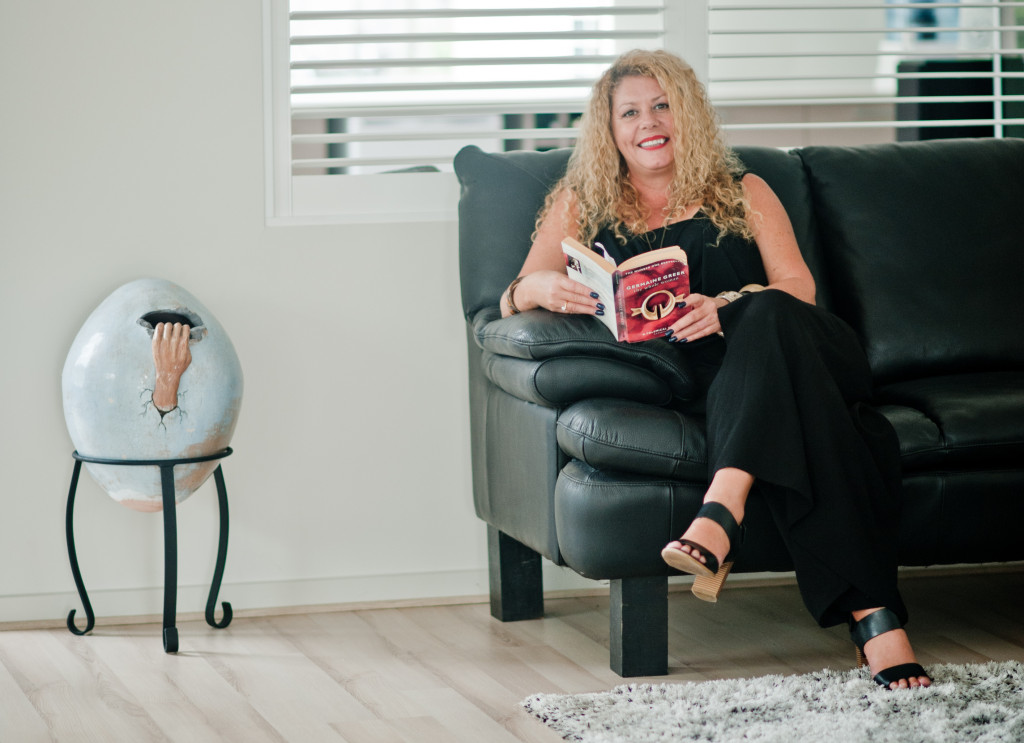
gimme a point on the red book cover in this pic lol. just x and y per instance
(647, 291)
(650, 298)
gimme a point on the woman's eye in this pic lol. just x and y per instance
(660, 106)
(628, 114)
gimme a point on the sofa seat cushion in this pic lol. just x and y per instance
(614, 525)
(958, 421)
(625, 436)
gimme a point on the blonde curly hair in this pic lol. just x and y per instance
(706, 170)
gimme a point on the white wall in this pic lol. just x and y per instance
(131, 145)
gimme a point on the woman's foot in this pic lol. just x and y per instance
(708, 533)
(729, 488)
(708, 568)
(892, 658)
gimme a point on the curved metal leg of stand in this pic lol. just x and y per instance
(222, 555)
(170, 558)
(170, 632)
(90, 618)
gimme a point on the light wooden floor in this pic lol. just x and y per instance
(445, 673)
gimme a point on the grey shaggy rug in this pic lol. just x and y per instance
(983, 702)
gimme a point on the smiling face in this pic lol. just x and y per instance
(642, 126)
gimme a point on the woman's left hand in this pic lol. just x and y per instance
(700, 322)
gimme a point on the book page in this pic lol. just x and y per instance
(593, 271)
(653, 256)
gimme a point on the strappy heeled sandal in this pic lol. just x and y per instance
(709, 577)
(874, 624)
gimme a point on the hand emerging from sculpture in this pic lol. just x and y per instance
(171, 356)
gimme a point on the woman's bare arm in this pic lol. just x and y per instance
(776, 241)
(544, 282)
(780, 254)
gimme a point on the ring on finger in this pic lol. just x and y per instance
(565, 305)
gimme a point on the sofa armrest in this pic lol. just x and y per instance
(574, 357)
(563, 380)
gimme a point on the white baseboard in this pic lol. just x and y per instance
(148, 601)
(339, 592)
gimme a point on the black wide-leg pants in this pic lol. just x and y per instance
(788, 405)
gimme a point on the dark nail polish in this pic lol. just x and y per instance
(599, 313)
(594, 295)
(600, 306)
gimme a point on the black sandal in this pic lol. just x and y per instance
(709, 577)
(878, 623)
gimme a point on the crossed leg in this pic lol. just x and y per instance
(730, 487)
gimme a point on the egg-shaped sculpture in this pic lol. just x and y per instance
(151, 375)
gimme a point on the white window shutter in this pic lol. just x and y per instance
(377, 87)
(361, 89)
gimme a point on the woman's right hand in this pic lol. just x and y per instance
(701, 320)
(556, 292)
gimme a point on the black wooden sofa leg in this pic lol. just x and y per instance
(517, 587)
(639, 626)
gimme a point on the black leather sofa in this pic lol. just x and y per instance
(591, 454)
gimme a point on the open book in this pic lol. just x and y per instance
(642, 297)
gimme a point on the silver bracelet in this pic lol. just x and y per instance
(728, 296)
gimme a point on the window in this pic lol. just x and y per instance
(370, 99)
(382, 91)
(797, 73)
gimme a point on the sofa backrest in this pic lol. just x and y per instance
(924, 251)
(502, 192)
(918, 245)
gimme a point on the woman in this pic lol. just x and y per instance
(649, 170)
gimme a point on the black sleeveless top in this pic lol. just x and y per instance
(727, 266)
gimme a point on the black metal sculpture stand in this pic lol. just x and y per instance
(170, 633)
